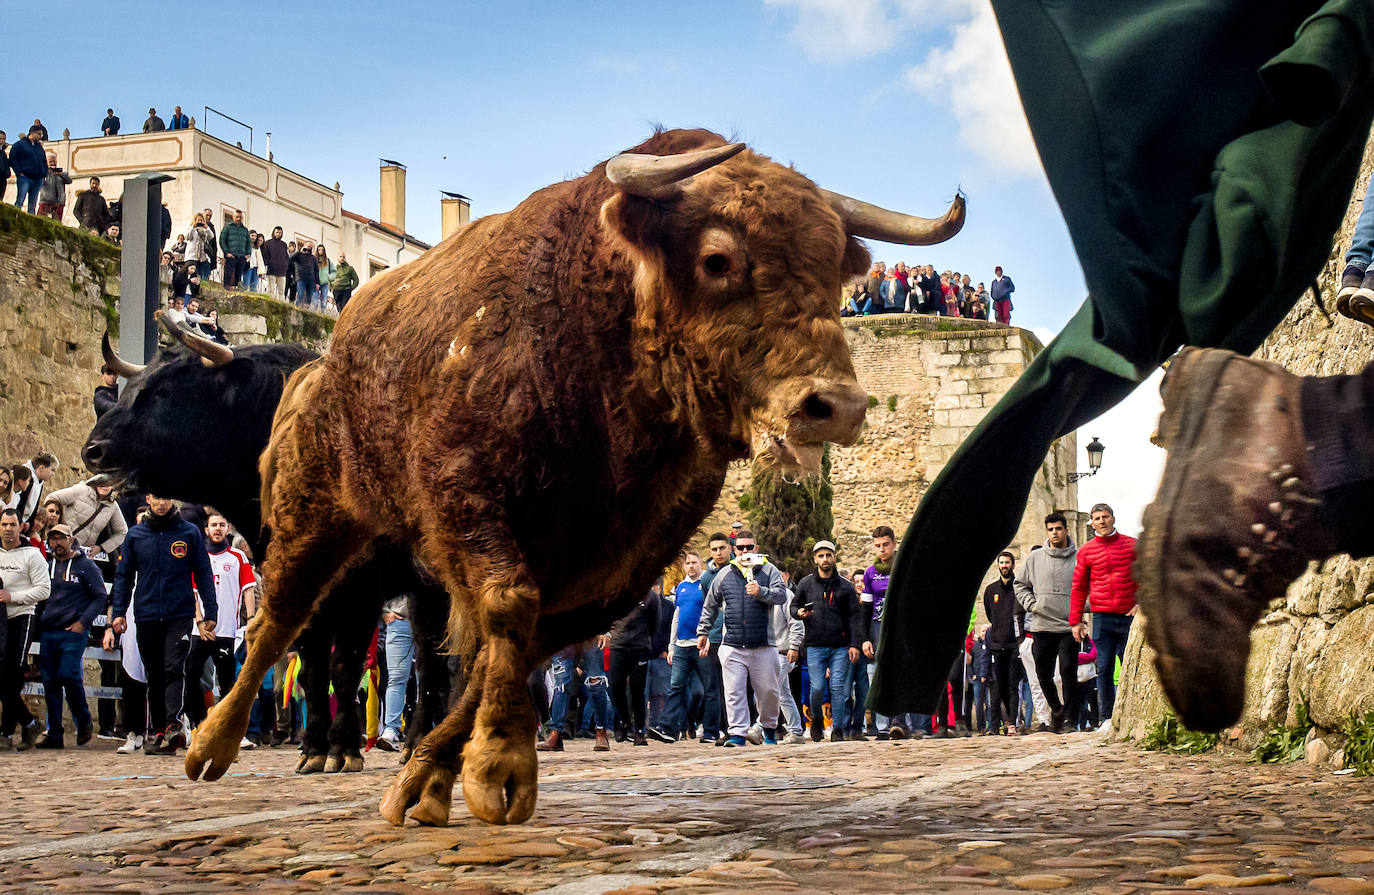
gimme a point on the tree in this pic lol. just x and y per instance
(788, 519)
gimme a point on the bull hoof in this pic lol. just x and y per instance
(500, 778)
(310, 764)
(214, 747)
(423, 786)
(406, 752)
(352, 764)
(333, 764)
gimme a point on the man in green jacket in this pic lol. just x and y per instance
(344, 282)
(234, 242)
(1197, 223)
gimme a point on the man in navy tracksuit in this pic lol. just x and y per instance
(75, 599)
(164, 552)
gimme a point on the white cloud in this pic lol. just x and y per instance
(968, 73)
(1044, 334)
(971, 75)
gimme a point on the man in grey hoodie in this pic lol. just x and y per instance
(1042, 588)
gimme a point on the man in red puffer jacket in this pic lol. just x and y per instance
(1102, 580)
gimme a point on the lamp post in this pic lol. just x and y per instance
(1095, 450)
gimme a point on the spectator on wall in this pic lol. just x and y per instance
(275, 263)
(179, 121)
(1001, 290)
(110, 126)
(153, 123)
(52, 195)
(30, 165)
(92, 212)
(4, 164)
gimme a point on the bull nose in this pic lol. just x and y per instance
(93, 453)
(834, 412)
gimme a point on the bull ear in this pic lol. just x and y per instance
(856, 258)
(635, 222)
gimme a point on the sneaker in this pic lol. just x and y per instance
(389, 741)
(707, 739)
(639, 739)
(770, 738)
(733, 742)
(1352, 278)
(919, 734)
(276, 739)
(662, 735)
(755, 735)
(132, 743)
(1361, 304)
(245, 744)
(176, 737)
(793, 739)
(107, 734)
(155, 745)
(882, 737)
(49, 743)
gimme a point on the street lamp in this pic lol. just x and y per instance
(1095, 450)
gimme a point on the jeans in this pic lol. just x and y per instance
(27, 195)
(686, 663)
(836, 659)
(250, 279)
(398, 658)
(1110, 631)
(660, 678)
(59, 661)
(593, 687)
(164, 644)
(979, 710)
(1361, 244)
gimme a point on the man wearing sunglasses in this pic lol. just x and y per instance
(745, 593)
(75, 598)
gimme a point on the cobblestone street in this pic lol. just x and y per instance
(1040, 812)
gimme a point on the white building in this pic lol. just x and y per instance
(210, 173)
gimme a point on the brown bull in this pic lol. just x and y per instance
(545, 406)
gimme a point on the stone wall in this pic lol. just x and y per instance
(1314, 645)
(59, 291)
(930, 380)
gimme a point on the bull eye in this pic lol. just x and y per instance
(716, 264)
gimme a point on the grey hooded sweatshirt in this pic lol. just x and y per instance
(1042, 587)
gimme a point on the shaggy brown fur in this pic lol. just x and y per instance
(545, 406)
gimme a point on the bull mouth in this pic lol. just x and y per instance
(792, 457)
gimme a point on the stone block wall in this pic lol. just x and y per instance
(59, 292)
(930, 381)
(1313, 645)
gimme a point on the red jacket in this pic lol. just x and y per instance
(1102, 577)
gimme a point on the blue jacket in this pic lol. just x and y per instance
(748, 620)
(1002, 289)
(164, 559)
(28, 159)
(77, 594)
(178, 122)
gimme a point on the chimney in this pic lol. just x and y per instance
(393, 212)
(453, 214)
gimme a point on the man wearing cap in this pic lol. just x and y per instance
(75, 598)
(828, 606)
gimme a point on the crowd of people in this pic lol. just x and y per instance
(920, 290)
(734, 653)
(235, 256)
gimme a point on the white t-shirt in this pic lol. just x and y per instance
(233, 575)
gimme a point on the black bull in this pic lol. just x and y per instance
(187, 430)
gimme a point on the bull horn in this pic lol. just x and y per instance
(119, 365)
(872, 222)
(212, 353)
(661, 176)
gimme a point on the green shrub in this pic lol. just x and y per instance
(892, 403)
(746, 500)
(1359, 743)
(1284, 744)
(1169, 735)
(872, 401)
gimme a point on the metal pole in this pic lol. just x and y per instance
(141, 236)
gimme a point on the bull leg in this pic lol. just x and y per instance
(429, 624)
(426, 780)
(345, 671)
(314, 656)
(305, 558)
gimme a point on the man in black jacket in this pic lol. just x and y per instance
(1006, 628)
(110, 126)
(276, 259)
(828, 606)
(107, 392)
(632, 642)
(76, 597)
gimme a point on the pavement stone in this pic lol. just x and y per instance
(1040, 813)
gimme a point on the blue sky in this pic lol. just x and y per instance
(897, 102)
